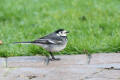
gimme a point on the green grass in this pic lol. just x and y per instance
(94, 25)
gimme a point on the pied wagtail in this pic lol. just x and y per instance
(53, 42)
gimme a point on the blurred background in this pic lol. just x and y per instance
(94, 25)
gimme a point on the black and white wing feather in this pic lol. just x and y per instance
(49, 39)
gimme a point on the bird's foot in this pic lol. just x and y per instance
(47, 60)
(55, 59)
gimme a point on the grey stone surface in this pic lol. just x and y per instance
(71, 67)
(105, 58)
(2, 62)
(37, 61)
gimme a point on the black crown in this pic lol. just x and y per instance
(59, 30)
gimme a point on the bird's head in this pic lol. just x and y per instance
(61, 32)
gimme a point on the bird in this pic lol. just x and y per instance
(53, 42)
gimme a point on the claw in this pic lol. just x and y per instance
(47, 60)
(55, 59)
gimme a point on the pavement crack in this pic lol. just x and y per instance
(112, 68)
(31, 76)
(89, 76)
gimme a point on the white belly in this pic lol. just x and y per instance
(57, 48)
(53, 48)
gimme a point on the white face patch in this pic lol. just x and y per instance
(62, 33)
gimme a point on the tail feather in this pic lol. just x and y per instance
(23, 42)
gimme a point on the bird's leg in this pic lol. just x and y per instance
(53, 58)
(89, 58)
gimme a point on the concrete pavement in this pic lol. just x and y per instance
(70, 67)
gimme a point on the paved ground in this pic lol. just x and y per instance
(71, 67)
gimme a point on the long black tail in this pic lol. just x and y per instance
(23, 42)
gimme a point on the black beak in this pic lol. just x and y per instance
(67, 32)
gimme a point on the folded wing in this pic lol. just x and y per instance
(47, 41)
